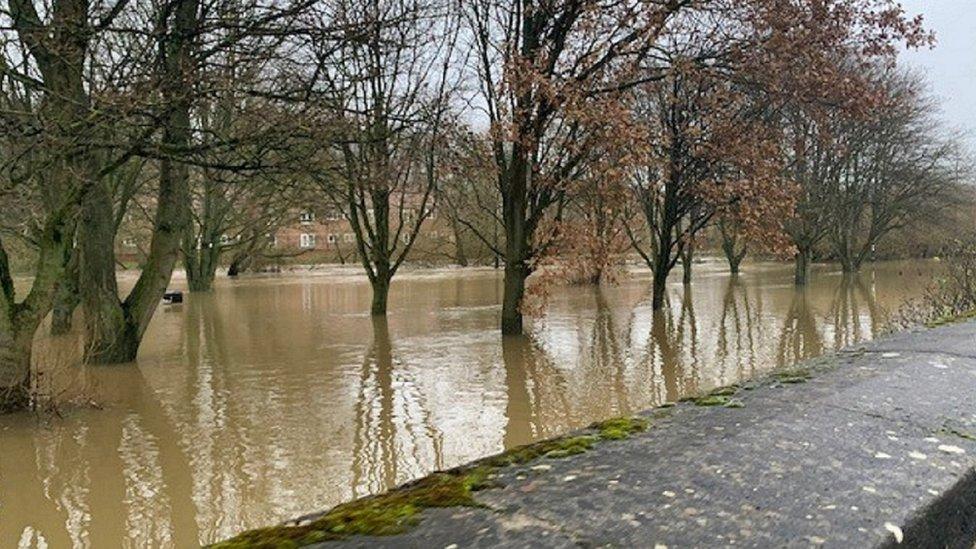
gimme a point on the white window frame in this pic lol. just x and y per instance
(306, 217)
(306, 241)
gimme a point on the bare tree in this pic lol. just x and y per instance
(811, 167)
(241, 193)
(390, 81)
(894, 165)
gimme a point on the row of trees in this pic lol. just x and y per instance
(866, 176)
(554, 124)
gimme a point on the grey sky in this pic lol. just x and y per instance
(950, 67)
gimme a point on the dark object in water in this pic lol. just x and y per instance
(173, 297)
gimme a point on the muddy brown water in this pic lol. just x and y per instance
(277, 396)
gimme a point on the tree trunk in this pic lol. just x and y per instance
(662, 267)
(687, 257)
(202, 282)
(515, 276)
(735, 261)
(238, 264)
(730, 241)
(460, 257)
(63, 312)
(201, 268)
(517, 240)
(118, 345)
(15, 358)
(849, 264)
(659, 286)
(19, 321)
(104, 314)
(381, 293)
(67, 298)
(802, 271)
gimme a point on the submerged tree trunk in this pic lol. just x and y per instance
(15, 358)
(19, 321)
(202, 280)
(801, 273)
(687, 258)
(515, 276)
(659, 287)
(846, 254)
(201, 265)
(663, 262)
(460, 257)
(238, 264)
(517, 240)
(734, 252)
(735, 260)
(381, 293)
(67, 298)
(98, 287)
(849, 264)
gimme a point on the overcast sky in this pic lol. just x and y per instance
(950, 67)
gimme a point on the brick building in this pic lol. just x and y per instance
(322, 234)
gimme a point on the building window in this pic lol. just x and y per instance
(128, 243)
(332, 238)
(272, 240)
(349, 237)
(306, 217)
(333, 215)
(306, 240)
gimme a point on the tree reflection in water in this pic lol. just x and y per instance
(394, 433)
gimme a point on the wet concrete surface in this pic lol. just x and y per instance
(856, 456)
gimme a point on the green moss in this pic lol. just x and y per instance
(951, 319)
(716, 397)
(728, 390)
(383, 515)
(555, 448)
(711, 400)
(793, 376)
(620, 428)
(397, 510)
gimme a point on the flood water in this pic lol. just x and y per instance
(278, 396)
